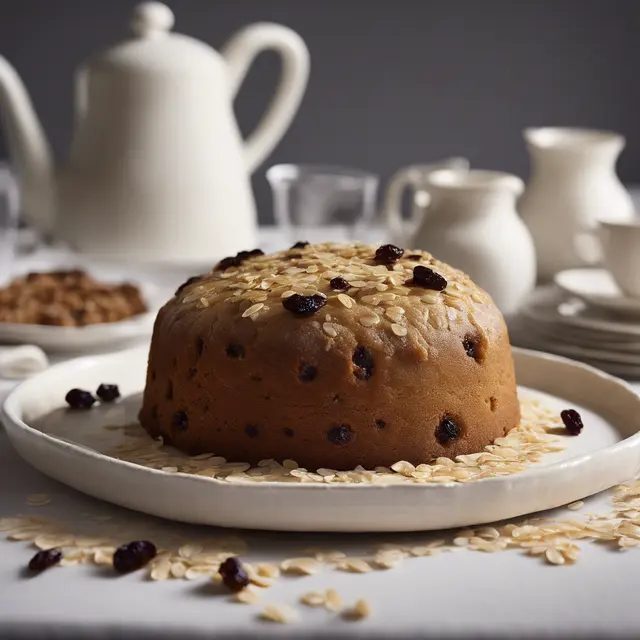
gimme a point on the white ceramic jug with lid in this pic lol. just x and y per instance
(157, 168)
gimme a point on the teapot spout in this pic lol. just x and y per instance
(29, 149)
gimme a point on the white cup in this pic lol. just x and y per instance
(621, 248)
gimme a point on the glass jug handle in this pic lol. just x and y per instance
(240, 52)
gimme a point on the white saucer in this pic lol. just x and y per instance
(549, 306)
(605, 454)
(597, 288)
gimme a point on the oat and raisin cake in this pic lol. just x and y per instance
(331, 355)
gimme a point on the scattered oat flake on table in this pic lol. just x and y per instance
(313, 598)
(38, 499)
(281, 613)
(303, 566)
(361, 609)
(332, 600)
(574, 506)
(355, 565)
(247, 596)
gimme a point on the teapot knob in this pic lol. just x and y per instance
(150, 19)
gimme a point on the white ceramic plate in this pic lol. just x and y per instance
(549, 306)
(597, 288)
(606, 453)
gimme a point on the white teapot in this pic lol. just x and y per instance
(157, 169)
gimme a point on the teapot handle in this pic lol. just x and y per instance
(414, 177)
(239, 52)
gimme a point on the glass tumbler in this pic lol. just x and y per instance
(9, 209)
(322, 203)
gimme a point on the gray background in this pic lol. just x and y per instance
(392, 81)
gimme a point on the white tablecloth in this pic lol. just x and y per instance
(459, 594)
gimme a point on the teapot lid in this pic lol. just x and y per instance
(154, 48)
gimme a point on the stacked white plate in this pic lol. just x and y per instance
(583, 316)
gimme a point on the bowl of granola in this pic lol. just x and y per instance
(74, 310)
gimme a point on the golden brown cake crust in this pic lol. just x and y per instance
(232, 372)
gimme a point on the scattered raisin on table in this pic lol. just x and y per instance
(79, 399)
(301, 244)
(133, 555)
(572, 421)
(427, 279)
(44, 559)
(108, 392)
(304, 305)
(233, 574)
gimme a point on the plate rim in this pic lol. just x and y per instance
(10, 415)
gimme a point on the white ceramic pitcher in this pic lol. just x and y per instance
(573, 184)
(471, 222)
(157, 169)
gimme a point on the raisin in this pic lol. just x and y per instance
(288, 432)
(235, 351)
(341, 434)
(304, 305)
(79, 399)
(469, 347)
(251, 430)
(363, 360)
(339, 284)
(245, 255)
(414, 256)
(233, 574)
(308, 372)
(427, 279)
(185, 284)
(447, 430)
(45, 559)
(572, 421)
(108, 392)
(300, 245)
(388, 254)
(227, 263)
(180, 421)
(134, 555)
(238, 259)
(380, 424)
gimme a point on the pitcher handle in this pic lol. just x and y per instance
(240, 52)
(414, 177)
